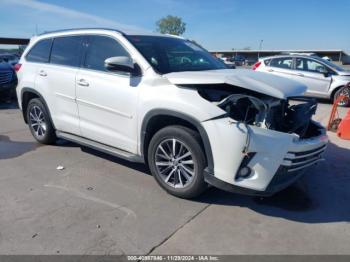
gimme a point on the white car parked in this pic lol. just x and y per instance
(322, 78)
(165, 101)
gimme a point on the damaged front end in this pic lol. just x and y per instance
(261, 141)
(292, 115)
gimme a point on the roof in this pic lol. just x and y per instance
(293, 55)
(26, 41)
(122, 32)
(80, 29)
(282, 51)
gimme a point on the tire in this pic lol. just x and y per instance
(343, 91)
(39, 122)
(176, 174)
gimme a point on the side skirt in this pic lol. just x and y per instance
(100, 147)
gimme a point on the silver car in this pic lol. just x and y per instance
(323, 78)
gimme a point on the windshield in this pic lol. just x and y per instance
(330, 64)
(170, 54)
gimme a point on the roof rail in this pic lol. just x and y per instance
(74, 29)
(302, 54)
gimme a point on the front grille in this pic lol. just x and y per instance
(294, 161)
(5, 76)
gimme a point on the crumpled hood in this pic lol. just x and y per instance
(264, 83)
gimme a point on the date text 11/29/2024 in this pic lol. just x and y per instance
(173, 258)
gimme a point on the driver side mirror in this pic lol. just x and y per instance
(121, 64)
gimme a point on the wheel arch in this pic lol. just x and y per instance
(156, 119)
(335, 91)
(28, 94)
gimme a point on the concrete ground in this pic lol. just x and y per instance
(99, 204)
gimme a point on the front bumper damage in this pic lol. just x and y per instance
(279, 159)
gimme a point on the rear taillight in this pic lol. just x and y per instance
(256, 65)
(17, 67)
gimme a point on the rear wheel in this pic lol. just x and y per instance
(39, 122)
(177, 162)
(343, 91)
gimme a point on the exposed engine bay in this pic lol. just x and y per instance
(252, 108)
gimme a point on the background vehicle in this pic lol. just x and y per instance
(227, 62)
(323, 78)
(168, 102)
(8, 82)
(250, 61)
(327, 58)
(346, 60)
(8, 58)
(238, 60)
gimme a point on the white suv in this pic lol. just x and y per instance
(165, 101)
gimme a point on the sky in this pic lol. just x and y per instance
(215, 24)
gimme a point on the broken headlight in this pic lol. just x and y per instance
(245, 108)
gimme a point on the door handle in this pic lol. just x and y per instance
(300, 74)
(83, 82)
(42, 73)
(270, 70)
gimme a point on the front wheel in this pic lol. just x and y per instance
(344, 91)
(177, 161)
(39, 122)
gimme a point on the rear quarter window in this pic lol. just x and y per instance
(267, 61)
(40, 52)
(282, 62)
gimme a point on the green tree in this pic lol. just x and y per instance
(171, 25)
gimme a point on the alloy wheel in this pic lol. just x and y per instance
(344, 92)
(37, 121)
(175, 163)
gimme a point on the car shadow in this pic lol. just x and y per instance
(323, 101)
(137, 166)
(12, 149)
(321, 196)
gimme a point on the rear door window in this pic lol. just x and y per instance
(99, 49)
(40, 52)
(66, 51)
(282, 62)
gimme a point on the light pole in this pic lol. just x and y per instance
(260, 46)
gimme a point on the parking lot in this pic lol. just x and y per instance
(99, 204)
